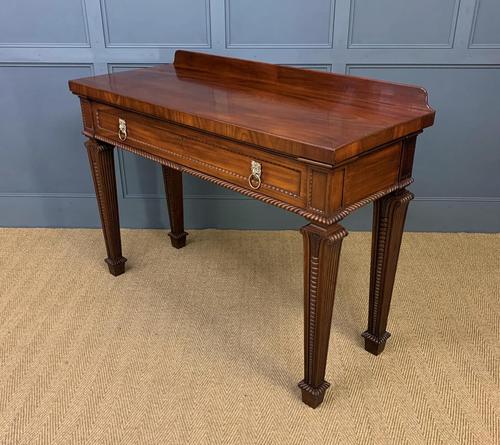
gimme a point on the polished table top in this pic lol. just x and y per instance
(325, 117)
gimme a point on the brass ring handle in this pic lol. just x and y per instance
(122, 129)
(254, 181)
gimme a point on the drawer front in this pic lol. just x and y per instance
(281, 178)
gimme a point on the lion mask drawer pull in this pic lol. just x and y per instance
(254, 179)
(122, 129)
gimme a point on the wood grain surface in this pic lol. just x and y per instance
(320, 116)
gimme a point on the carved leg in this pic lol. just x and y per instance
(321, 260)
(388, 221)
(103, 173)
(173, 190)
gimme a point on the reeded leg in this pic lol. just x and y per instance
(173, 190)
(388, 222)
(321, 259)
(103, 173)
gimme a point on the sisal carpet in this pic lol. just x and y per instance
(204, 345)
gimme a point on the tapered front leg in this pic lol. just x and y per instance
(173, 191)
(389, 216)
(103, 173)
(321, 260)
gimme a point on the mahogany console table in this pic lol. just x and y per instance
(317, 144)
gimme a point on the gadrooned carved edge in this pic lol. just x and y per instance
(375, 339)
(316, 392)
(327, 220)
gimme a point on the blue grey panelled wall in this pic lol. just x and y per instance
(452, 47)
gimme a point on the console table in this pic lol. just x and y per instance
(318, 144)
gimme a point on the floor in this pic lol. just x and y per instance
(204, 345)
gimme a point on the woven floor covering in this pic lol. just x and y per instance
(203, 345)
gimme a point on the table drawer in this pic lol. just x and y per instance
(280, 177)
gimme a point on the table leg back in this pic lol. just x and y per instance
(172, 179)
(389, 216)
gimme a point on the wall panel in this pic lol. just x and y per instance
(402, 23)
(452, 47)
(486, 25)
(280, 23)
(42, 148)
(48, 23)
(154, 23)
